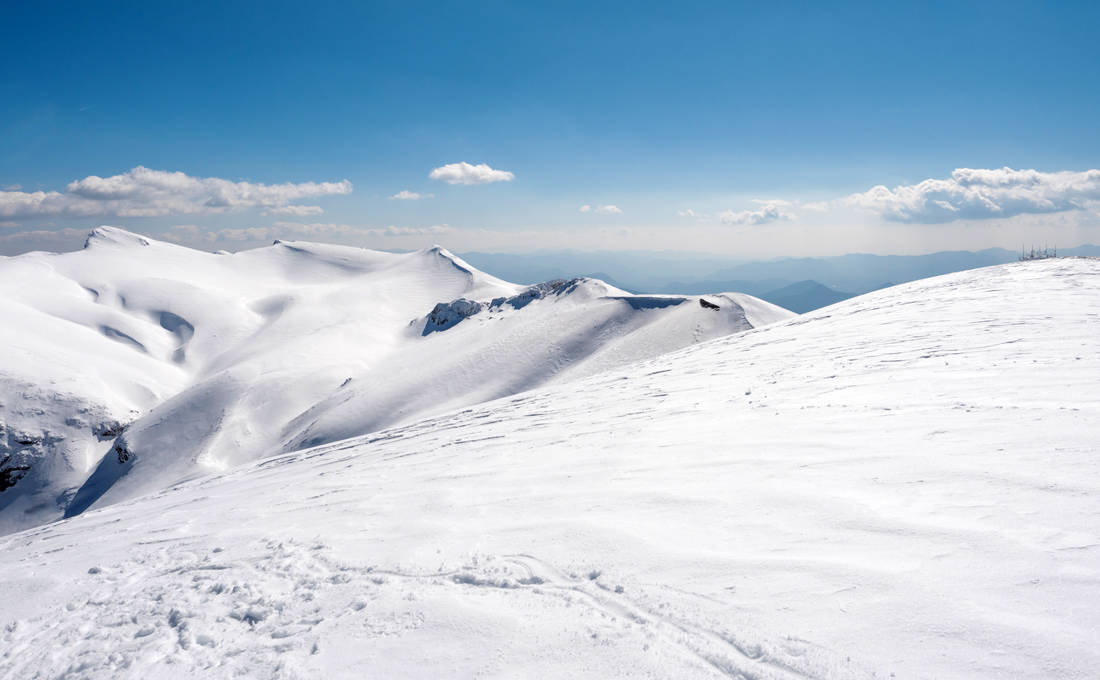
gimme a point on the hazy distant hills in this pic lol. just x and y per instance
(805, 296)
(800, 284)
(800, 296)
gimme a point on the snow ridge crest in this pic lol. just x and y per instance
(107, 235)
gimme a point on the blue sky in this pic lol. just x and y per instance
(705, 126)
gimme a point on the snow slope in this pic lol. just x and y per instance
(133, 364)
(905, 484)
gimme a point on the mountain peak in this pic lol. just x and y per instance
(438, 252)
(114, 236)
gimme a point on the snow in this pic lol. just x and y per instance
(903, 484)
(211, 360)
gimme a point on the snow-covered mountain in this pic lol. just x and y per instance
(133, 364)
(904, 484)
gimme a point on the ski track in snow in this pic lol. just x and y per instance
(901, 485)
(269, 608)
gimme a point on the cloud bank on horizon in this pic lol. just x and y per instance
(969, 196)
(315, 231)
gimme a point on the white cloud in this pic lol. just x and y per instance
(317, 231)
(23, 204)
(602, 209)
(295, 210)
(982, 194)
(687, 212)
(320, 229)
(247, 234)
(405, 195)
(433, 230)
(465, 173)
(51, 240)
(769, 211)
(142, 192)
(188, 232)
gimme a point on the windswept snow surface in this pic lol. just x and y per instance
(905, 484)
(134, 364)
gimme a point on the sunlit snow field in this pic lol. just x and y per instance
(903, 484)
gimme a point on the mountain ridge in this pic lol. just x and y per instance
(202, 361)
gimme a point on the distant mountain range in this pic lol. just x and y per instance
(800, 297)
(805, 296)
(799, 284)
